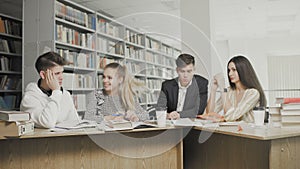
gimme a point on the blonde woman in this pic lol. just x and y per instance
(118, 98)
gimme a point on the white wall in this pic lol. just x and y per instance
(257, 50)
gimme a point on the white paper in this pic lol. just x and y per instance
(77, 124)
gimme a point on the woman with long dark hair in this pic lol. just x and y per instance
(238, 100)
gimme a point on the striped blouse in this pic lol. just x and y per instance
(242, 110)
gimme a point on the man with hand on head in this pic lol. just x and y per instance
(46, 100)
(185, 95)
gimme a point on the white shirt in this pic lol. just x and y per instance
(48, 111)
(181, 96)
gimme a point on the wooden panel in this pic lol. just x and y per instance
(82, 152)
(222, 151)
(284, 153)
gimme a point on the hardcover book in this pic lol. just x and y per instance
(14, 116)
(15, 129)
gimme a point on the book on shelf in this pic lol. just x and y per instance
(10, 101)
(10, 82)
(71, 14)
(103, 61)
(16, 128)
(11, 46)
(79, 101)
(14, 115)
(2, 103)
(2, 26)
(11, 27)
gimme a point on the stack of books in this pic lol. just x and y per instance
(288, 112)
(15, 123)
(274, 115)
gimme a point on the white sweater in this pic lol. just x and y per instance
(48, 111)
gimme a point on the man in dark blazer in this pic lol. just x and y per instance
(185, 95)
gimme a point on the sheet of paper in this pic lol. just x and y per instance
(77, 124)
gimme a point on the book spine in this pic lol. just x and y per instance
(25, 128)
(291, 100)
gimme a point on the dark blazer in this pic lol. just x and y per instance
(195, 99)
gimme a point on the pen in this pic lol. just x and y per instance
(117, 114)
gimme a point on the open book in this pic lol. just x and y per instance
(115, 125)
(77, 124)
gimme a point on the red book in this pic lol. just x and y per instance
(288, 100)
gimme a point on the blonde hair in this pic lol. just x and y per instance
(129, 88)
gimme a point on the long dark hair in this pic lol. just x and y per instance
(247, 76)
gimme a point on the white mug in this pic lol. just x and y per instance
(161, 115)
(259, 116)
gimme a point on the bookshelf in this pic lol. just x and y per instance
(10, 62)
(90, 40)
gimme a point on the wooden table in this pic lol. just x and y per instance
(253, 148)
(141, 148)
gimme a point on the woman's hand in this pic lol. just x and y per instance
(220, 80)
(130, 115)
(214, 85)
(215, 117)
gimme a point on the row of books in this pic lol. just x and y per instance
(74, 15)
(139, 68)
(157, 59)
(108, 27)
(10, 82)
(75, 81)
(152, 44)
(136, 67)
(142, 98)
(105, 45)
(151, 57)
(100, 81)
(154, 83)
(82, 60)
(166, 49)
(10, 46)
(11, 27)
(79, 101)
(10, 64)
(73, 37)
(135, 53)
(152, 97)
(159, 71)
(103, 61)
(8, 102)
(286, 112)
(134, 37)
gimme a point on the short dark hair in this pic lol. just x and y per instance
(48, 60)
(185, 59)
